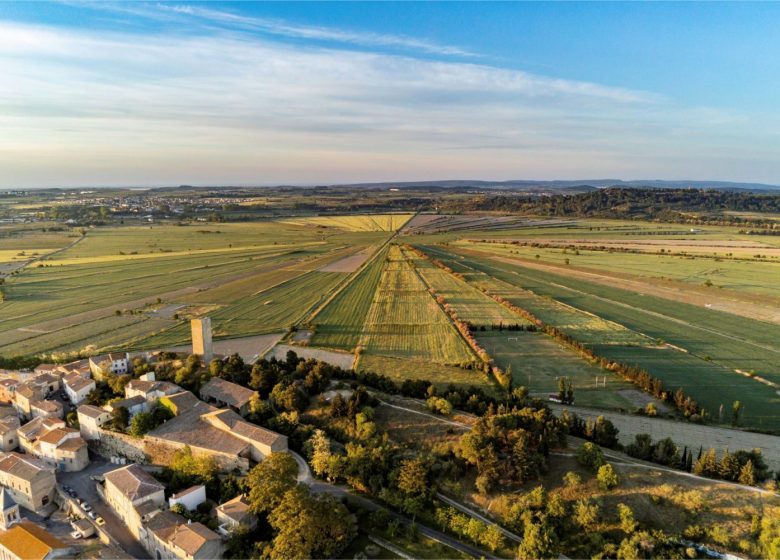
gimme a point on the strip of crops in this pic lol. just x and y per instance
(340, 323)
(405, 321)
(469, 303)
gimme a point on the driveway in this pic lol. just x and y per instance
(85, 488)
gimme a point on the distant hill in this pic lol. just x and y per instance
(581, 185)
(668, 204)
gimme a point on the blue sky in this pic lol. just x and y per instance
(137, 93)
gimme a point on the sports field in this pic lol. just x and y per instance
(537, 362)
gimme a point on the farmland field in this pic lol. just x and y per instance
(340, 322)
(537, 362)
(131, 269)
(374, 222)
(713, 344)
(404, 320)
(470, 304)
(441, 376)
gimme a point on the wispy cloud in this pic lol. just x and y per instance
(286, 29)
(82, 107)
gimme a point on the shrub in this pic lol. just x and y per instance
(607, 477)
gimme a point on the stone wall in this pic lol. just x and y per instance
(113, 444)
(155, 451)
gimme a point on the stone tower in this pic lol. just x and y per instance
(201, 338)
(9, 509)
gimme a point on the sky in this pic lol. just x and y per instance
(204, 93)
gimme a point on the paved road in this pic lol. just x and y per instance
(85, 488)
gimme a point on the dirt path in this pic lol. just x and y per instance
(744, 307)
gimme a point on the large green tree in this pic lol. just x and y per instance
(310, 527)
(270, 480)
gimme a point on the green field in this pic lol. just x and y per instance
(404, 320)
(749, 276)
(537, 362)
(399, 369)
(469, 303)
(63, 300)
(340, 322)
(715, 343)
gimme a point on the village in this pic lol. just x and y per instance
(71, 481)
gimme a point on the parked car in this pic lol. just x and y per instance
(86, 507)
(75, 535)
(100, 521)
(92, 515)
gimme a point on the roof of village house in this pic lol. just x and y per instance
(147, 387)
(34, 427)
(134, 482)
(80, 366)
(46, 378)
(45, 367)
(91, 410)
(127, 403)
(29, 541)
(29, 391)
(181, 401)
(233, 423)
(186, 491)
(22, 466)
(227, 392)
(77, 382)
(236, 509)
(72, 444)
(114, 356)
(9, 382)
(47, 406)
(8, 423)
(187, 428)
(56, 435)
(8, 411)
(189, 537)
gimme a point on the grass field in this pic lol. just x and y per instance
(716, 343)
(340, 322)
(128, 268)
(374, 222)
(404, 320)
(272, 310)
(749, 276)
(537, 362)
(470, 304)
(440, 375)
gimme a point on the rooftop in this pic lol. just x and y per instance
(27, 540)
(77, 382)
(236, 509)
(134, 482)
(189, 490)
(22, 466)
(91, 411)
(227, 392)
(188, 429)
